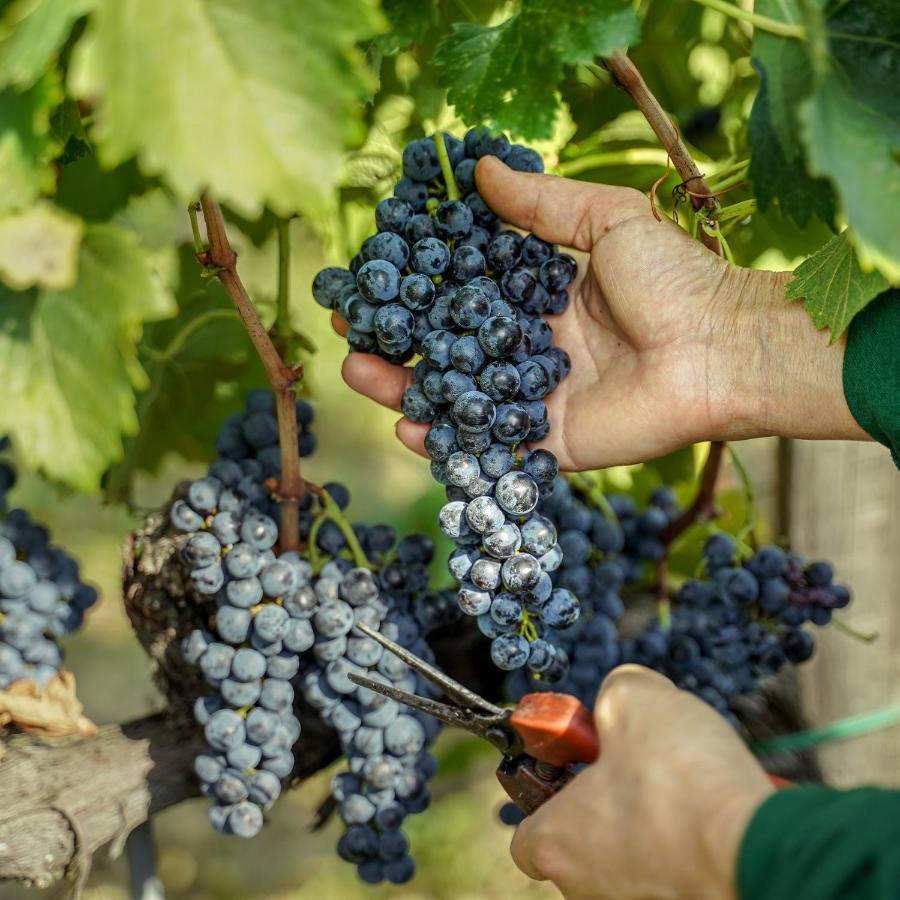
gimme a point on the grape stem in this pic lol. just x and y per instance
(628, 77)
(440, 145)
(330, 510)
(221, 259)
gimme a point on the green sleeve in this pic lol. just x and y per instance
(872, 370)
(818, 843)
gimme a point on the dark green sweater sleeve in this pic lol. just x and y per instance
(818, 843)
(872, 370)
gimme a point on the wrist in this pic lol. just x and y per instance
(787, 378)
(723, 836)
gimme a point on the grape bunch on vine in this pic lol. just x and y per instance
(185, 192)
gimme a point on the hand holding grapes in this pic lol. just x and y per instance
(669, 343)
(663, 810)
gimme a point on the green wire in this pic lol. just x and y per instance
(841, 730)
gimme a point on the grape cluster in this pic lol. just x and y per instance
(443, 281)
(386, 745)
(728, 631)
(602, 550)
(285, 624)
(42, 597)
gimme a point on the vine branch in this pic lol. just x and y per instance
(703, 506)
(221, 259)
(629, 78)
(632, 82)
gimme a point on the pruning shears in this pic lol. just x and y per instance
(542, 738)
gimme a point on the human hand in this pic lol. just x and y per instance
(669, 343)
(661, 814)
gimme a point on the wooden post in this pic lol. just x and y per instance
(845, 507)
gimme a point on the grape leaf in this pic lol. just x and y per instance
(509, 73)
(251, 100)
(407, 22)
(832, 105)
(851, 123)
(833, 287)
(39, 247)
(205, 345)
(778, 178)
(31, 34)
(69, 361)
(26, 144)
(788, 69)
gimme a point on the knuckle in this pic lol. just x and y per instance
(623, 683)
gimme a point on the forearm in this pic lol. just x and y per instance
(814, 843)
(788, 380)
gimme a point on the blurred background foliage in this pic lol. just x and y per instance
(194, 366)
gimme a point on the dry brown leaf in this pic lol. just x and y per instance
(50, 710)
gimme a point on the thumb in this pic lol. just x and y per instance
(558, 210)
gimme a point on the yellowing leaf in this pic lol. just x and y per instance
(52, 710)
(833, 287)
(252, 100)
(69, 362)
(39, 247)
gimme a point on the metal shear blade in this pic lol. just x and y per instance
(457, 692)
(468, 710)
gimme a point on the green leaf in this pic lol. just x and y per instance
(68, 129)
(26, 144)
(779, 179)
(251, 100)
(788, 70)
(833, 287)
(509, 74)
(855, 141)
(205, 346)
(39, 247)
(32, 33)
(832, 104)
(408, 20)
(69, 360)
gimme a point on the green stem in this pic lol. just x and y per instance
(763, 23)
(282, 325)
(727, 170)
(747, 484)
(330, 510)
(193, 209)
(527, 629)
(441, 146)
(729, 180)
(594, 492)
(867, 637)
(315, 555)
(736, 211)
(634, 156)
(726, 248)
(664, 614)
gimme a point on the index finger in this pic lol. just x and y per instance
(558, 210)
